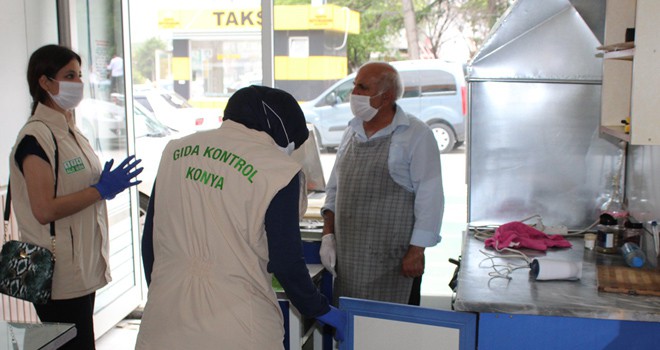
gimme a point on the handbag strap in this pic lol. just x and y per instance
(5, 237)
(7, 202)
(57, 168)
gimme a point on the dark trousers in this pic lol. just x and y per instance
(117, 84)
(416, 292)
(78, 311)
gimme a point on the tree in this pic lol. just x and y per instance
(144, 59)
(411, 28)
(472, 18)
(381, 22)
(435, 18)
(478, 17)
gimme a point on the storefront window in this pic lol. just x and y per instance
(101, 115)
(96, 34)
(224, 65)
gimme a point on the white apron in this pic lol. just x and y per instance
(374, 223)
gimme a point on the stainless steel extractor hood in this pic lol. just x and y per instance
(534, 95)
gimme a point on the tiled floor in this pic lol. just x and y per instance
(435, 291)
(122, 337)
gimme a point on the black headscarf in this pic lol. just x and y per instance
(270, 110)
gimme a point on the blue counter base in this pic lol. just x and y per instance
(507, 331)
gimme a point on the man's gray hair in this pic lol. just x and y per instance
(391, 80)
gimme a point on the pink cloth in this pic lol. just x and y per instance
(518, 235)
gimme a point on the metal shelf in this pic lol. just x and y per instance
(616, 131)
(620, 55)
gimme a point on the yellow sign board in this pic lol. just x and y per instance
(209, 19)
(285, 17)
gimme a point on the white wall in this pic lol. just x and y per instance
(25, 25)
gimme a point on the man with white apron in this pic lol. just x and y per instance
(384, 199)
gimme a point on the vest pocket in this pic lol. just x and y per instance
(73, 245)
(65, 248)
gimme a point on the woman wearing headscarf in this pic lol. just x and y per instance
(223, 216)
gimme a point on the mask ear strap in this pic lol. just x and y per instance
(278, 117)
(266, 114)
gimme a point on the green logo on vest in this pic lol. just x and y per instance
(73, 165)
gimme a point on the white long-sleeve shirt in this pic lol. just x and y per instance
(414, 163)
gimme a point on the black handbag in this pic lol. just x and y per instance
(26, 269)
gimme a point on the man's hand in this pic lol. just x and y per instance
(413, 262)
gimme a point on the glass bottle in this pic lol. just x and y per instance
(608, 235)
(633, 232)
(614, 206)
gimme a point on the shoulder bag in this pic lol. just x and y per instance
(26, 269)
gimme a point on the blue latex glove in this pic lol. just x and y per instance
(115, 181)
(336, 319)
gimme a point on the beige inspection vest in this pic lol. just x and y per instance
(82, 247)
(210, 288)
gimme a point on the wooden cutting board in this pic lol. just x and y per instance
(628, 280)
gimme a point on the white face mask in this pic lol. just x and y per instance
(70, 94)
(288, 149)
(361, 107)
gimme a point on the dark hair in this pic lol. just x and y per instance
(46, 60)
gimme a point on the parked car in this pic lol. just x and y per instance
(104, 125)
(174, 111)
(102, 122)
(244, 82)
(434, 91)
(149, 146)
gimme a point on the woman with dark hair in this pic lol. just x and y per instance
(57, 179)
(223, 216)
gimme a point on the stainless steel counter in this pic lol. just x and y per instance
(478, 292)
(28, 336)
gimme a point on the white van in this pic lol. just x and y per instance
(434, 91)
